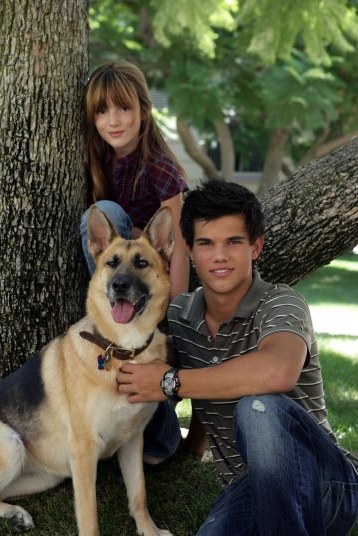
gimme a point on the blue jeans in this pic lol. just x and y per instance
(162, 434)
(298, 481)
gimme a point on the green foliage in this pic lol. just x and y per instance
(299, 95)
(195, 16)
(277, 23)
(258, 65)
(113, 31)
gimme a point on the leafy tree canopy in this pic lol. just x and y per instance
(274, 25)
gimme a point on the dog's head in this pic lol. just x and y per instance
(131, 282)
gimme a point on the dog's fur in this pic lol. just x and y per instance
(59, 413)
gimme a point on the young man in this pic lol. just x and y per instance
(249, 362)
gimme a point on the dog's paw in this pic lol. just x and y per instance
(19, 518)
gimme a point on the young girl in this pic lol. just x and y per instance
(132, 170)
(133, 173)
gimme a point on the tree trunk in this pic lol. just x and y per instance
(227, 151)
(273, 160)
(192, 148)
(312, 217)
(42, 188)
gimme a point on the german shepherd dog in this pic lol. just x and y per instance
(61, 412)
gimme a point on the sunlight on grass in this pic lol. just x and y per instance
(344, 264)
(335, 319)
(346, 347)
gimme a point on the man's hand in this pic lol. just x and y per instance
(142, 382)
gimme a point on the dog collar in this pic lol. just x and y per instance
(111, 349)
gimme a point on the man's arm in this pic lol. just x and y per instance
(273, 368)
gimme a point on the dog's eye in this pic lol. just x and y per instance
(114, 262)
(139, 262)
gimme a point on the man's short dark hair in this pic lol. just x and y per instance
(215, 198)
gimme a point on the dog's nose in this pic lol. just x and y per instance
(122, 283)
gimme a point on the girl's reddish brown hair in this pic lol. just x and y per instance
(124, 84)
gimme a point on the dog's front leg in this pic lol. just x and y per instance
(84, 460)
(130, 457)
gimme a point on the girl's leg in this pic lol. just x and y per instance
(162, 434)
(116, 215)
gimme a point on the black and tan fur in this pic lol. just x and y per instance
(60, 414)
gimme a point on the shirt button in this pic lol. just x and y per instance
(215, 359)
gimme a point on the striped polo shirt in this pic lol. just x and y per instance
(266, 308)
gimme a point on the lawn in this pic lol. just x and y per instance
(180, 494)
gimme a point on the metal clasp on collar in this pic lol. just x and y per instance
(107, 356)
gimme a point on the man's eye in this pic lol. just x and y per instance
(114, 262)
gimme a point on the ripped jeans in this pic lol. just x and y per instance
(298, 481)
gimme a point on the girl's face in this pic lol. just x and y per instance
(119, 127)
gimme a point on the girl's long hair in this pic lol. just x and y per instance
(125, 85)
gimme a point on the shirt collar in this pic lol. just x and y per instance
(193, 310)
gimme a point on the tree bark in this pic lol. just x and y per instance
(227, 151)
(312, 217)
(42, 188)
(192, 148)
(273, 160)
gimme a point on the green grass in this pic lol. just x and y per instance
(181, 493)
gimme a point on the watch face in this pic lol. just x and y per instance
(169, 383)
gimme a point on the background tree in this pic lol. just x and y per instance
(276, 98)
(43, 69)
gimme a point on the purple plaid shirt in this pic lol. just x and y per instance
(160, 181)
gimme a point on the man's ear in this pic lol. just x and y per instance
(257, 247)
(100, 231)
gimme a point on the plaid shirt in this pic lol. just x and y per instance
(159, 181)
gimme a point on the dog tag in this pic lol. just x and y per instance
(101, 359)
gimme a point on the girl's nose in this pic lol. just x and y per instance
(114, 117)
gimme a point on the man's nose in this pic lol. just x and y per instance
(220, 253)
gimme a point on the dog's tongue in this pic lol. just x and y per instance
(123, 311)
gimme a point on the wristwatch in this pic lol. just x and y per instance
(170, 384)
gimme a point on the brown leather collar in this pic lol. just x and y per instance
(111, 349)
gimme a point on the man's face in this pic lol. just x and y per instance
(223, 254)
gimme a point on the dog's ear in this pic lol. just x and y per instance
(159, 232)
(100, 231)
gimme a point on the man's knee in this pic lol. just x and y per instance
(249, 407)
